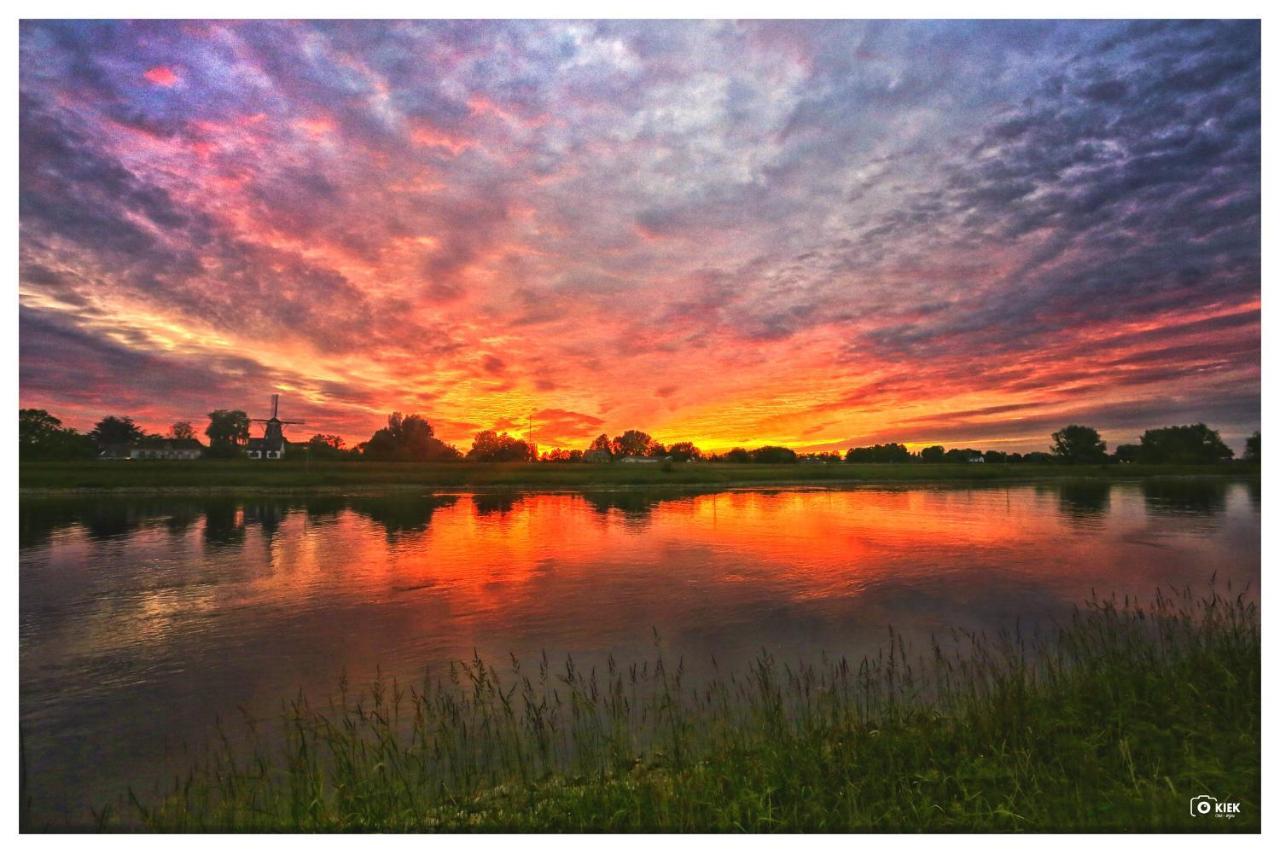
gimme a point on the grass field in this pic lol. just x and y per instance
(239, 475)
(1113, 722)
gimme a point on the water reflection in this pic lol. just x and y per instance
(143, 621)
(1186, 496)
(495, 503)
(402, 514)
(1084, 501)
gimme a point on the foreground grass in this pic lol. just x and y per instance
(230, 475)
(1111, 723)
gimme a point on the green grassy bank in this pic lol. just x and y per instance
(1112, 722)
(234, 475)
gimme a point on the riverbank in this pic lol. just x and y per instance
(1114, 722)
(239, 477)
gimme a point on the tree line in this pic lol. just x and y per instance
(411, 438)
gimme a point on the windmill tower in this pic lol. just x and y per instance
(271, 445)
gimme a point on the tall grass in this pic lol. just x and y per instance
(1110, 722)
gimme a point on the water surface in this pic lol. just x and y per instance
(144, 621)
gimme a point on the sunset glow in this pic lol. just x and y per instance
(812, 234)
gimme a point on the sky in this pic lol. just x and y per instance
(817, 234)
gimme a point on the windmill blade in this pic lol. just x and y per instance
(299, 423)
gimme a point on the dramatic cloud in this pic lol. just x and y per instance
(809, 233)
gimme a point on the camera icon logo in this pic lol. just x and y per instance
(1203, 805)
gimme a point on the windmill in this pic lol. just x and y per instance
(271, 445)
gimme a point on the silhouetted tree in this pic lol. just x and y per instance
(684, 451)
(228, 431)
(1038, 457)
(561, 455)
(960, 455)
(1253, 447)
(633, 442)
(115, 430)
(772, 455)
(490, 446)
(42, 436)
(1079, 445)
(737, 456)
(1127, 453)
(879, 453)
(408, 438)
(1184, 445)
(182, 429)
(995, 456)
(936, 453)
(602, 444)
(323, 446)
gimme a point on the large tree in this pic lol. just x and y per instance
(228, 431)
(182, 429)
(633, 442)
(933, 453)
(601, 444)
(1253, 447)
(1079, 445)
(1127, 453)
(42, 436)
(773, 455)
(408, 438)
(115, 430)
(879, 453)
(491, 446)
(684, 451)
(327, 447)
(1184, 445)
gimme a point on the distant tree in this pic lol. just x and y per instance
(737, 456)
(1184, 445)
(1038, 457)
(228, 432)
(995, 456)
(491, 446)
(1127, 453)
(656, 449)
(772, 455)
(36, 427)
(936, 453)
(408, 438)
(561, 455)
(324, 446)
(958, 455)
(42, 436)
(115, 430)
(182, 429)
(633, 442)
(1079, 445)
(1013, 458)
(684, 451)
(602, 444)
(1253, 447)
(879, 453)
